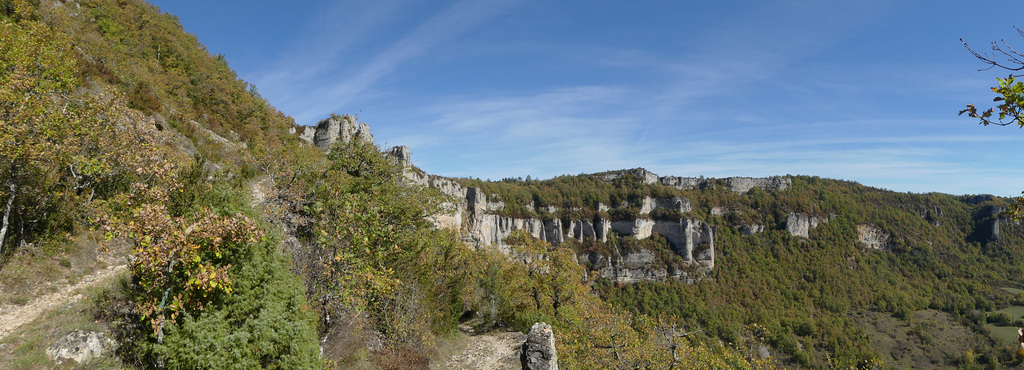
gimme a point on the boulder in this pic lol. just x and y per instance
(80, 346)
(538, 351)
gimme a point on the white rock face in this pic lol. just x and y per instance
(684, 182)
(305, 133)
(680, 204)
(873, 238)
(580, 229)
(647, 205)
(343, 129)
(736, 184)
(639, 228)
(647, 177)
(400, 153)
(80, 346)
(750, 229)
(691, 239)
(632, 267)
(601, 229)
(553, 231)
(744, 184)
(800, 224)
(491, 230)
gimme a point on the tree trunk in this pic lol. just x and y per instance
(7, 216)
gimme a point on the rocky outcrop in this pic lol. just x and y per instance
(647, 177)
(580, 229)
(305, 133)
(627, 267)
(691, 239)
(401, 154)
(648, 205)
(873, 238)
(538, 351)
(553, 231)
(491, 230)
(685, 182)
(800, 224)
(997, 218)
(343, 129)
(80, 346)
(750, 229)
(736, 184)
(744, 184)
(639, 228)
(601, 229)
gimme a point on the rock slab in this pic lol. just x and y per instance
(538, 352)
(80, 346)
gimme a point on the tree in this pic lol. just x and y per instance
(1010, 96)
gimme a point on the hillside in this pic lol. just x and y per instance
(811, 261)
(249, 241)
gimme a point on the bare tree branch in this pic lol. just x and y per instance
(7, 214)
(1014, 59)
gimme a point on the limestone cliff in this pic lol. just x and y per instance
(800, 224)
(479, 217)
(736, 184)
(335, 129)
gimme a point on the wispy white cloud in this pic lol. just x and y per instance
(338, 87)
(323, 46)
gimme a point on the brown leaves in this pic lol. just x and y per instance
(183, 259)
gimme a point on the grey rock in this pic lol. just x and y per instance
(553, 231)
(580, 229)
(684, 182)
(744, 184)
(305, 133)
(538, 351)
(340, 129)
(800, 224)
(680, 204)
(601, 229)
(401, 154)
(750, 229)
(80, 346)
(640, 228)
(647, 205)
(873, 238)
(647, 177)
(630, 267)
(997, 218)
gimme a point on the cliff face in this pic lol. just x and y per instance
(335, 129)
(736, 184)
(483, 221)
(800, 224)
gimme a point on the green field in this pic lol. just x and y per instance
(1012, 290)
(1006, 334)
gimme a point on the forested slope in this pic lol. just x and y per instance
(119, 128)
(873, 252)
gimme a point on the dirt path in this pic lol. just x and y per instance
(12, 317)
(488, 351)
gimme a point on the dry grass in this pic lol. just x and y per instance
(25, 348)
(33, 271)
(932, 339)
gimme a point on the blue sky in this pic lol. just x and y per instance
(859, 90)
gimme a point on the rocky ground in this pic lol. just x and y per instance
(12, 317)
(491, 350)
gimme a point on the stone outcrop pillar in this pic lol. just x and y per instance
(538, 351)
